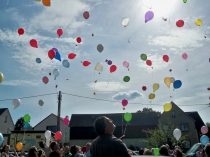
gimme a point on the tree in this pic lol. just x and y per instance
(146, 110)
(19, 124)
(208, 125)
(161, 136)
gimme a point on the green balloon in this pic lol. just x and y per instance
(127, 116)
(27, 118)
(143, 57)
(156, 151)
(126, 79)
(185, 1)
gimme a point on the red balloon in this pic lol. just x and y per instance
(149, 62)
(20, 31)
(165, 58)
(51, 54)
(58, 135)
(33, 43)
(144, 88)
(45, 79)
(72, 55)
(79, 39)
(59, 32)
(86, 15)
(179, 23)
(113, 68)
(86, 63)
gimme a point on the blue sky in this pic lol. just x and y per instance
(23, 76)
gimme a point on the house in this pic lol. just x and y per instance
(6, 123)
(82, 131)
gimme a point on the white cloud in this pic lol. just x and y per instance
(21, 83)
(127, 95)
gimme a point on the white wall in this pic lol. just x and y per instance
(6, 126)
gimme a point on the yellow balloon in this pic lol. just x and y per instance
(155, 87)
(19, 146)
(198, 22)
(167, 107)
(37, 0)
(167, 81)
(1, 77)
(152, 96)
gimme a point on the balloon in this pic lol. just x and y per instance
(66, 63)
(143, 57)
(33, 43)
(125, 21)
(127, 116)
(86, 15)
(72, 55)
(124, 102)
(99, 67)
(41, 102)
(20, 31)
(38, 60)
(152, 96)
(204, 129)
(177, 134)
(55, 49)
(125, 64)
(51, 54)
(184, 56)
(179, 23)
(100, 48)
(109, 62)
(185, 1)
(1, 77)
(55, 72)
(26, 125)
(59, 32)
(27, 118)
(167, 107)
(45, 79)
(113, 68)
(58, 135)
(1, 139)
(198, 22)
(167, 81)
(19, 146)
(47, 134)
(165, 58)
(177, 84)
(156, 151)
(126, 79)
(144, 88)
(172, 79)
(66, 120)
(155, 87)
(15, 103)
(58, 56)
(149, 16)
(204, 140)
(37, 0)
(149, 62)
(86, 63)
(46, 2)
(78, 39)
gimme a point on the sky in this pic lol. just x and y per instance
(155, 38)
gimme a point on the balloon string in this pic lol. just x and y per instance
(125, 128)
(108, 80)
(147, 6)
(135, 32)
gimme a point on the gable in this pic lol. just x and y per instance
(198, 121)
(2, 110)
(9, 117)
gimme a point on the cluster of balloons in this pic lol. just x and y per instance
(144, 58)
(176, 83)
(177, 134)
(180, 23)
(109, 62)
(127, 117)
(26, 119)
(204, 139)
(53, 53)
(1, 77)
(124, 103)
(167, 107)
(156, 86)
(66, 120)
(58, 135)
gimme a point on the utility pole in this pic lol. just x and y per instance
(59, 110)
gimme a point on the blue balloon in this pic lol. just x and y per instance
(204, 140)
(1, 139)
(38, 60)
(58, 56)
(66, 63)
(177, 84)
(26, 125)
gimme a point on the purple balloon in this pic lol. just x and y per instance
(56, 50)
(149, 16)
(109, 62)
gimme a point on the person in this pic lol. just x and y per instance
(169, 150)
(199, 152)
(67, 152)
(147, 152)
(106, 144)
(41, 153)
(177, 153)
(163, 151)
(207, 149)
(87, 152)
(5, 151)
(141, 151)
(33, 152)
(76, 151)
(54, 148)
(44, 147)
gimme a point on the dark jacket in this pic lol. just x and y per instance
(108, 145)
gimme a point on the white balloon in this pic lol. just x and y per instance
(172, 79)
(15, 103)
(177, 134)
(125, 21)
(99, 66)
(100, 48)
(55, 72)
(47, 142)
(47, 134)
(41, 102)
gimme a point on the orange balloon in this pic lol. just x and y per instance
(46, 2)
(19, 146)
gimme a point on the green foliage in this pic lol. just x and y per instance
(19, 124)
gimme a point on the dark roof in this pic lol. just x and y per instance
(28, 131)
(198, 121)
(138, 119)
(2, 110)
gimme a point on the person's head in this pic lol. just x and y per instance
(54, 146)
(167, 146)
(41, 153)
(163, 151)
(176, 147)
(74, 149)
(33, 152)
(22, 153)
(41, 144)
(66, 149)
(104, 125)
(147, 152)
(88, 145)
(141, 151)
(5, 148)
(207, 149)
(177, 153)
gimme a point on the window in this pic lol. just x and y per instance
(5, 120)
(173, 114)
(184, 127)
(38, 136)
(165, 127)
(52, 128)
(187, 144)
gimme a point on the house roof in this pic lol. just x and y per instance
(2, 110)
(143, 119)
(198, 121)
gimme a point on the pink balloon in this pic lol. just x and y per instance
(204, 129)
(184, 56)
(66, 120)
(45, 79)
(124, 102)
(126, 64)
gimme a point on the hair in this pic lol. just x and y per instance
(147, 152)
(141, 151)
(40, 152)
(52, 145)
(41, 144)
(207, 149)
(178, 153)
(99, 125)
(3, 149)
(74, 150)
(31, 152)
(163, 151)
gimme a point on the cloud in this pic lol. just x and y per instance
(127, 95)
(21, 83)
